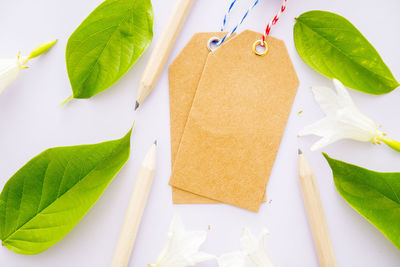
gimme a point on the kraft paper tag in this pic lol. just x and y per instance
(184, 76)
(236, 122)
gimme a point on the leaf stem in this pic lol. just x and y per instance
(66, 100)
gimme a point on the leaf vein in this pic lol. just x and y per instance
(104, 48)
(342, 52)
(101, 161)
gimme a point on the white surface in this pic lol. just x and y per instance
(31, 121)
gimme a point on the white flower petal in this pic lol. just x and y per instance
(194, 239)
(343, 119)
(255, 249)
(252, 254)
(9, 70)
(326, 98)
(182, 248)
(343, 95)
(323, 142)
(327, 129)
(341, 126)
(323, 127)
(202, 256)
(332, 100)
(232, 259)
(248, 242)
(351, 124)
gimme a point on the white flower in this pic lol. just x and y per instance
(9, 70)
(233, 259)
(343, 119)
(252, 254)
(182, 248)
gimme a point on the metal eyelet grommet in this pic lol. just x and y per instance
(260, 43)
(212, 43)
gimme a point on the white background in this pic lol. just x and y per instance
(31, 121)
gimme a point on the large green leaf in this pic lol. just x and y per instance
(331, 45)
(375, 195)
(107, 43)
(48, 196)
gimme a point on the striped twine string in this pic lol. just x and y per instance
(274, 21)
(227, 14)
(241, 21)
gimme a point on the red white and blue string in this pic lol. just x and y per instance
(241, 21)
(267, 29)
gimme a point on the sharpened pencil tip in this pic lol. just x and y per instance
(137, 105)
(155, 142)
(299, 151)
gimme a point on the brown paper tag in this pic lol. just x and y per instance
(236, 122)
(184, 76)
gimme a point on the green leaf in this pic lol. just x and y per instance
(331, 45)
(48, 196)
(375, 195)
(107, 43)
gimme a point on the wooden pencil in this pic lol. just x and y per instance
(162, 49)
(316, 217)
(135, 210)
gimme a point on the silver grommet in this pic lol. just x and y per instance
(212, 43)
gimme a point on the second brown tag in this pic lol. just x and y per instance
(184, 76)
(236, 122)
